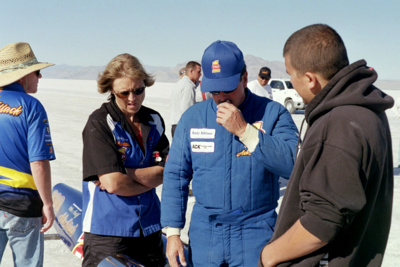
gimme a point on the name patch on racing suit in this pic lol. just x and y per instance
(202, 147)
(202, 133)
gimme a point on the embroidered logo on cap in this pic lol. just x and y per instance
(215, 66)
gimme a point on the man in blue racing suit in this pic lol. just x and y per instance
(233, 147)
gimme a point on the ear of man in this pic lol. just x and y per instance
(315, 82)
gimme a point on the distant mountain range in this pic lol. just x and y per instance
(162, 74)
(170, 74)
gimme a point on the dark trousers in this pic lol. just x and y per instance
(148, 250)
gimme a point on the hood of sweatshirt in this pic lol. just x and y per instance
(353, 85)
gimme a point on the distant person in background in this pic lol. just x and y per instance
(182, 72)
(201, 96)
(26, 205)
(124, 151)
(260, 86)
(184, 94)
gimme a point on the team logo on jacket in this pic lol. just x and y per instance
(122, 147)
(156, 156)
(244, 152)
(123, 144)
(122, 152)
(7, 109)
(259, 126)
(215, 66)
(202, 147)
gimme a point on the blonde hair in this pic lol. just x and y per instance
(124, 65)
(182, 72)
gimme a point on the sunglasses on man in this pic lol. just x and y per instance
(125, 94)
(225, 92)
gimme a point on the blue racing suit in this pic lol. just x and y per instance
(236, 190)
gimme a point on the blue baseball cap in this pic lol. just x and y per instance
(222, 64)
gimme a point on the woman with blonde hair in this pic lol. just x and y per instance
(125, 148)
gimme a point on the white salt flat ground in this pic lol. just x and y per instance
(69, 103)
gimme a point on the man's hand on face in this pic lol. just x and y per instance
(231, 118)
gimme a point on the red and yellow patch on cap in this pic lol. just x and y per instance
(215, 66)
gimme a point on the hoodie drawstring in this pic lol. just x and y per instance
(299, 139)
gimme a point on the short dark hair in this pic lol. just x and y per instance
(243, 71)
(191, 65)
(317, 48)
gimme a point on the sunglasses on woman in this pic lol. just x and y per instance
(125, 94)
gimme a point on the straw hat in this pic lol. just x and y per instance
(16, 61)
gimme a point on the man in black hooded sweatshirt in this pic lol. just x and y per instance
(338, 202)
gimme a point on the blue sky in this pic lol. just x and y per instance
(170, 32)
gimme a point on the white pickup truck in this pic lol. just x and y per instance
(284, 93)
